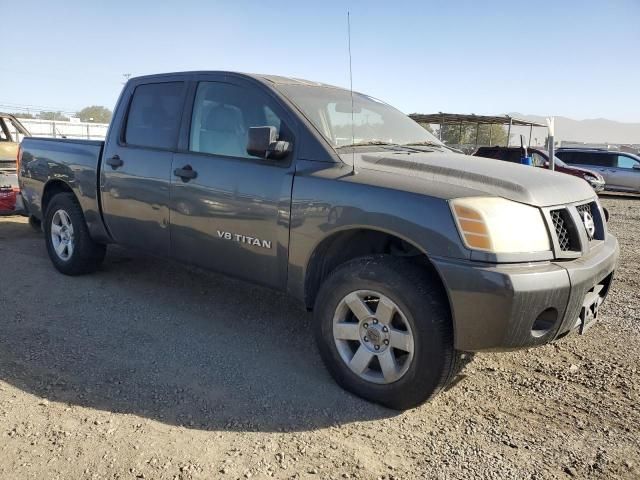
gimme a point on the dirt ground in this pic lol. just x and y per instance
(151, 370)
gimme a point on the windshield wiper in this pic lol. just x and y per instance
(426, 143)
(369, 143)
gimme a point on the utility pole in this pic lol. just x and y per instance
(126, 77)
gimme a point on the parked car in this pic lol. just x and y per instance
(621, 170)
(11, 133)
(541, 159)
(408, 254)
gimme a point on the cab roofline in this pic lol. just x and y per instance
(265, 78)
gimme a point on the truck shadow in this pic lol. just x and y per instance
(166, 342)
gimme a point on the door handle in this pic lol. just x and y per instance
(115, 162)
(186, 173)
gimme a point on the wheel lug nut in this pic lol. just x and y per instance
(377, 347)
(366, 339)
(365, 325)
(375, 321)
(386, 342)
(385, 329)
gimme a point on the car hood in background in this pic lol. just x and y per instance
(520, 183)
(580, 171)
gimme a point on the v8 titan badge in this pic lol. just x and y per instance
(236, 237)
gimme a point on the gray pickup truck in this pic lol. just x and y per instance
(408, 254)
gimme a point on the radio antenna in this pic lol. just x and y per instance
(353, 135)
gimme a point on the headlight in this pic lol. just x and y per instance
(498, 225)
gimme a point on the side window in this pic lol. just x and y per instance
(587, 159)
(222, 116)
(607, 159)
(154, 115)
(595, 159)
(626, 162)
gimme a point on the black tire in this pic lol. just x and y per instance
(35, 223)
(87, 255)
(420, 296)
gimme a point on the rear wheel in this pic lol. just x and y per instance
(384, 331)
(69, 244)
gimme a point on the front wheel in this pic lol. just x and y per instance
(69, 244)
(384, 331)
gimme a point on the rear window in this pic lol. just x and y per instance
(154, 115)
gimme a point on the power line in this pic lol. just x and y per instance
(34, 108)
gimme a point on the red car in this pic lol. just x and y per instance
(8, 193)
(540, 159)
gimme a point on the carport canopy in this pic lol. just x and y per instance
(442, 118)
(458, 118)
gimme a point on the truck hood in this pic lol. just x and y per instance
(472, 176)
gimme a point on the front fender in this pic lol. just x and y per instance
(327, 202)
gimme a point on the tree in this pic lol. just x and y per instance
(58, 116)
(95, 113)
(428, 128)
(22, 115)
(487, 134)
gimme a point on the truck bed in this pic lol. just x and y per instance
(62, 161)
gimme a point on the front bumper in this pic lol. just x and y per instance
(512, 306)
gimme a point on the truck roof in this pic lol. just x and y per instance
(265, 78)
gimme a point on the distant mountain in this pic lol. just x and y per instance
(598, 130)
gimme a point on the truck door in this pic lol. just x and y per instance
(229, 210)
(136, 166)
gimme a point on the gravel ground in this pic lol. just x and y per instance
(152, 370)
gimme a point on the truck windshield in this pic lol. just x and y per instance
(374, 122)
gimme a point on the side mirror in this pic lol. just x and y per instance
(636, 166)
(263, 142)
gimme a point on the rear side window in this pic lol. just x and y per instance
(154, 115)
(603, 159)
(588, 158)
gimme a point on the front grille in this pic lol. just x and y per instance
(584, 208)
(574, 229)
(559, 219)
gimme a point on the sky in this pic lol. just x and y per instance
(578, 59)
